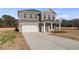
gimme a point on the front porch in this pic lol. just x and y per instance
(48, 26)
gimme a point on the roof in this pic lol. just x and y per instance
(31, 10)
(50, 10)
(34, 10)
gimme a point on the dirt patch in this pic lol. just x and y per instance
(5, 29)
(69, 33)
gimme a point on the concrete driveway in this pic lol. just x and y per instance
(43, 41)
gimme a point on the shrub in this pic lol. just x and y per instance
(58, 31)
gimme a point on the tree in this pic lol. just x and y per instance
(2, 23)
(66, 23)
(10, 21)
(7, 19)
(70, 23)
(76, 23)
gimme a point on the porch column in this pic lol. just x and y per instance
(51, 26)
(44, 27)
(59, 26)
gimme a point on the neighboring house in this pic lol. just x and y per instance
(38, 21)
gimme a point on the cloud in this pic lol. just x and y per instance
(63, 16)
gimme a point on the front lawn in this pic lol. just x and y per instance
(12, 40)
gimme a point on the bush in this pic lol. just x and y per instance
(16, 29)
(58, 31)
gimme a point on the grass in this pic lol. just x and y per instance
(6, 36)
(12, 40)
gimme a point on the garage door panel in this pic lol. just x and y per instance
(29, 28)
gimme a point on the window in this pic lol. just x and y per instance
(35, 16)
(48, 16)
(24, 15)
(53, 17)
(30, 15)
(44, 16)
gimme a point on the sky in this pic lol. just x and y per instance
(67, 13)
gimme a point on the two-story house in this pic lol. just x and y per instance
(37, 21)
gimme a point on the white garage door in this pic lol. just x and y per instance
(30, 28)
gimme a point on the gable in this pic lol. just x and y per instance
(50, 11)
